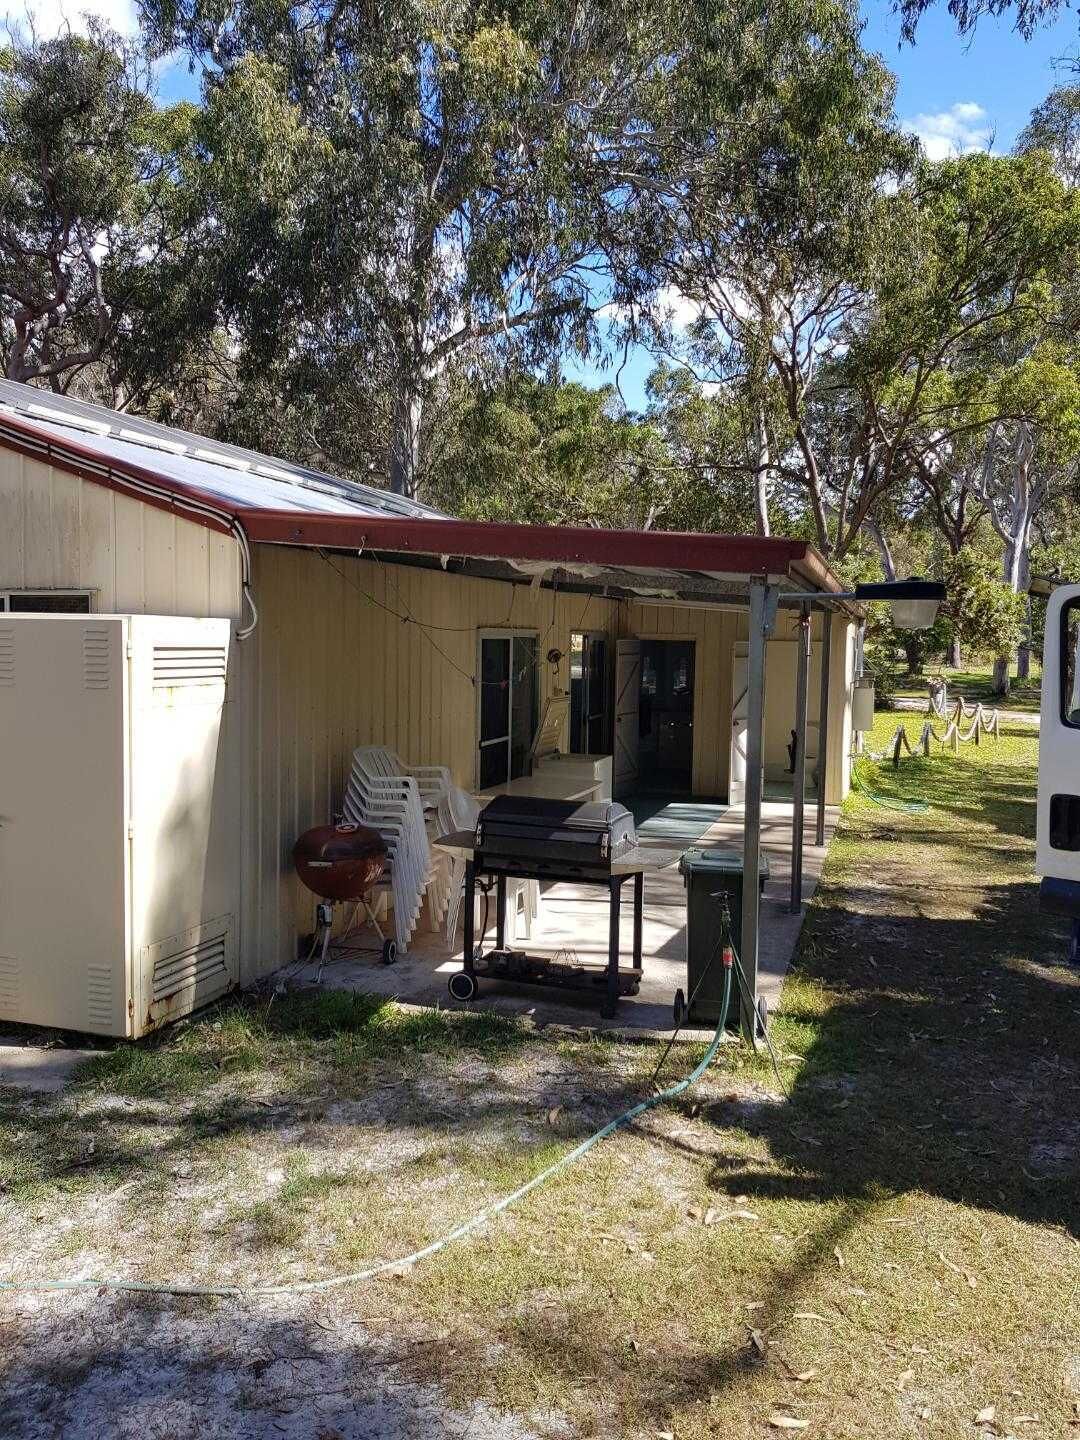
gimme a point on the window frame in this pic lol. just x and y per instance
(589, 712)
(497, 633)
(1070, 607)
(20, 591)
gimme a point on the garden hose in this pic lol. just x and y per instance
(459, 1232)
(886, 802)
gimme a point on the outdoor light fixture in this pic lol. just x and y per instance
(914, 601)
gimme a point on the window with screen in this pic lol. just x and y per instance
(508, 706)
(1070, 664)
(45, 602)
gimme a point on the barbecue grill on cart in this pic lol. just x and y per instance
(528, 838)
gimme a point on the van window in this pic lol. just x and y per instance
(1070, 663)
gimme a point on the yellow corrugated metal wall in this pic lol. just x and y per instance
(57, 531)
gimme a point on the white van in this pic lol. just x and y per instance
(1057, 849)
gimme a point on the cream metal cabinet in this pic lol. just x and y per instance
(119, 820)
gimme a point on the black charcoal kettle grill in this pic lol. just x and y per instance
(530, 838)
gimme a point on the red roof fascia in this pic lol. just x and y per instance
(560, 544)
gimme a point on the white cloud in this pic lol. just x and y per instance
(674, 307)
(962, 128)
(51, 17)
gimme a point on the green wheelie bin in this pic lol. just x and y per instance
(706, 872)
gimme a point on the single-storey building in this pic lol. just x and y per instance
(359, 617)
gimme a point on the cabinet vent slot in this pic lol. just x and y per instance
(96, 659)
(182, 665)
(99, 993)
(10, 996)
(7, 657)
(195, 965)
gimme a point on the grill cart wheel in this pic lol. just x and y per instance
(679, 1008)
(389, 952)
(463, 986)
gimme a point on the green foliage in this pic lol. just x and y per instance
(1055, 128)
(981, 612)
(91, 202)
(546, 453)
(1028, 15)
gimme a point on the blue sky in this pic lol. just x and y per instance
(955, 94)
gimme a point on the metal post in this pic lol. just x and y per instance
(823, 723)
(611, 997)
(798, 809)
(468, 939)
(755, 724)
(500, 913)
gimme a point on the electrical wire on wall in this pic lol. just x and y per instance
(406, 617)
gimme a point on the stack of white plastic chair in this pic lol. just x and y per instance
(393, 807)
(458, 811)
(432, 781)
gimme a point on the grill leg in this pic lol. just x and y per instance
(639, 915)
(611, 999)
(500, 914)
(470, 915)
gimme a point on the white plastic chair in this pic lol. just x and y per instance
(393, 807)
(370, 768)
(458, 811)
(380, 762)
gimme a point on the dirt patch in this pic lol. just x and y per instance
(127, 1369)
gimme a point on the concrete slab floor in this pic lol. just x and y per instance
(574, 920)
(46, 1069)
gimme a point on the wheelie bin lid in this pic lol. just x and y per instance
(699, 861)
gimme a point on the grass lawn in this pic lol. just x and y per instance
(891, 1251)
(977, 684)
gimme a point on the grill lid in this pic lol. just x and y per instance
(523, 822)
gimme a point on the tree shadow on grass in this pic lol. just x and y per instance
(950, 1063)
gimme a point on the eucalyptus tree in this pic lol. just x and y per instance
(403, 190)
(1055, 127)
(778, 230)
(91, 206)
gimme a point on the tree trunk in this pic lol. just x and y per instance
(405, 443)
(955, 660)
(761, 477)
(884, 549)
(1015, 572)
(1023, 651)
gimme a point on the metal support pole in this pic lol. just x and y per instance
(468, 939)
(611, 996)
(823, 723)
(798, 809)
(755, 724)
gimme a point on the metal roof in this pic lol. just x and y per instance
(260, 499)
(241, 478)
